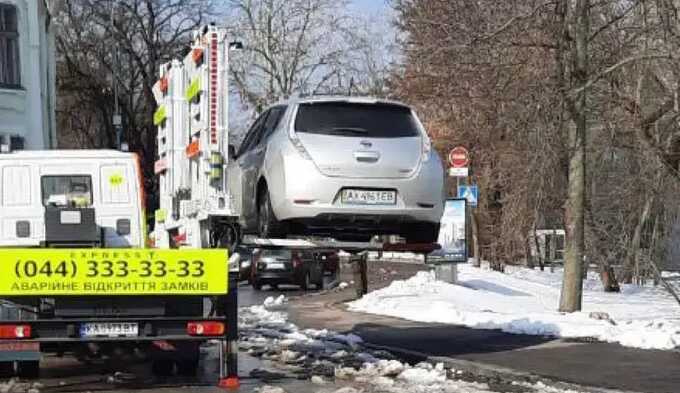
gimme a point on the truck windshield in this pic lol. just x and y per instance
(67, 190)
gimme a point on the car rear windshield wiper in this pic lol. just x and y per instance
(337, 130)
(353, 130)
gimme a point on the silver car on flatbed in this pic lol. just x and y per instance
(343, 167)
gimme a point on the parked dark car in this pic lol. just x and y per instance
(330, 262)
(283, 266)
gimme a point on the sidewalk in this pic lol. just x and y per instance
(602, 365)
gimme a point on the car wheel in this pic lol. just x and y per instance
(307, 283)
(268, 225)
(319, 284)
(423, 233)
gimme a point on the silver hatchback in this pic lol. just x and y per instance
(343, 167)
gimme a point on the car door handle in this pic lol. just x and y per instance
(366, 156)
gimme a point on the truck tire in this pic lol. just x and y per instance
(188, 366)
(29, 369)
(6, 369)
(257, 285)
(162, 367)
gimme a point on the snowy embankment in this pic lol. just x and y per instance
(526, 301)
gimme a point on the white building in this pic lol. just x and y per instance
(27, 74)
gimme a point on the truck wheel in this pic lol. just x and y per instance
(6, 369)
(187, 367)
(29, 369)
(257, 286)
(162, 367)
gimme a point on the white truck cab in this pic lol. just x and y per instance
(107, 181)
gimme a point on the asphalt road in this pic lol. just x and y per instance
(68, 375)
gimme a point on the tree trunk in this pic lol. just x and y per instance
(608, 278)
(632, 256)
(475, 240)
(527, 254)
(572, 283)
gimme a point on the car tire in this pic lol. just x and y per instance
(319, 284)
(307, 282)
(424, 233)
(267, 224)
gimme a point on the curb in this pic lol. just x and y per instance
(491, 373)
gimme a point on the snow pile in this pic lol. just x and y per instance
(525, 301)
(271, 302)
(394, 376)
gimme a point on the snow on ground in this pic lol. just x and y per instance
(338, 363)
(525, 301)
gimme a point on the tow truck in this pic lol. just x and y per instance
(76, 277)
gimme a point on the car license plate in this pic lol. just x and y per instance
(276, 266)
(368, 197)
(109, 329)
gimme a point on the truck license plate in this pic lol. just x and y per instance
(368, 197)
(109, 329)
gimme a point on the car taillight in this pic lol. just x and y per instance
(206, 328)
(296, 261)
(15, 331)
(427, 147)
(298, 145)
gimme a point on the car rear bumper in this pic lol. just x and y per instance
(278, 277)
(299, 191)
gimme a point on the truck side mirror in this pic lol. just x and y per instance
(232, 152)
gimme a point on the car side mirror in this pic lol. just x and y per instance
(231, 151)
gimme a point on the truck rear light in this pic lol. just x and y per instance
(296, 260)
(15, 331)
(206, 328)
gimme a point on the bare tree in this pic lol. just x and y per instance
(104, 44)
(295, 47)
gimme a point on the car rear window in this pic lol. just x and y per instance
(356, 120)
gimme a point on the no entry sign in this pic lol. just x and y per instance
(458, 157)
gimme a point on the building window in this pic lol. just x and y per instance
(9, 47)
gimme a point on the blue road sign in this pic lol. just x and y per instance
(471, 193)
